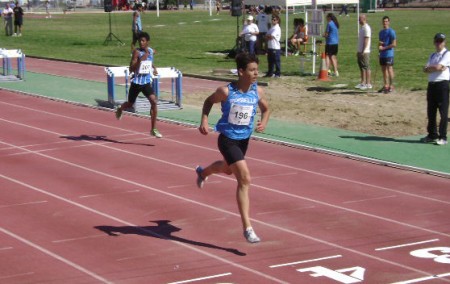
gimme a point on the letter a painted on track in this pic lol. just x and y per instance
(355, 277)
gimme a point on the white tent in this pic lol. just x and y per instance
(292, 3)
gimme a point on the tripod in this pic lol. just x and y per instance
(110, 36)
(238, 46)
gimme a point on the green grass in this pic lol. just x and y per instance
(183, 38)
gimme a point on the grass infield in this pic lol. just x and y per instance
(191, 41)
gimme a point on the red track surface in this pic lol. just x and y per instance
(88, 199)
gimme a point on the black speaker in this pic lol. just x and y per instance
(236, 8)
(108, 5)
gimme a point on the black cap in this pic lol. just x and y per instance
(439, 36)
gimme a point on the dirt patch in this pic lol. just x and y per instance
(402, 113)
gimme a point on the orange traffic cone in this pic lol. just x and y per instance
(323, 74)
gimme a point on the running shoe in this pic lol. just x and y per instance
(200, 180)
(119, 113)
(428, 139)
(251, 236)
(156, 133)
(366, 87)
(359, 86)
(441, 142)
(382, 90)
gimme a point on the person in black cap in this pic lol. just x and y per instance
(438, 72)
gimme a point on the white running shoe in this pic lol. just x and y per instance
(251, 236)
(441, 142)
(359, 86)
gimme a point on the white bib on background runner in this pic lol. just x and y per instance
(145, 67)
(240, 114)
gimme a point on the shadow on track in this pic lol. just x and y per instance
(101, 138)
(163, 231)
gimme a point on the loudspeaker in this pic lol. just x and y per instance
(236, 8)
(108, 5)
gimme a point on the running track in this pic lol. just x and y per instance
(88, 199)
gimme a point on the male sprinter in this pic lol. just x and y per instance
(239, 102)
(142, 66)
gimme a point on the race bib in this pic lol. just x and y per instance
(240, 115)
(145, 67)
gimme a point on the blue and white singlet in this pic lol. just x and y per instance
(238, 112)
(144, 74)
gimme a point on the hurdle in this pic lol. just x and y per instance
(142, 104)
(6, 55)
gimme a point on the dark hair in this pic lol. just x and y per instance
(145, 35)
(301, 22)
(333, 18)
(276, 17)
(386, 17)
(244, 58)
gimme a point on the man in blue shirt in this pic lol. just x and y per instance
(136, 25)
(386, 45)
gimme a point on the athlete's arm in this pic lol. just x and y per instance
(265, 111)
(218, 96)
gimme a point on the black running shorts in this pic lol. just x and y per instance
(232, 150)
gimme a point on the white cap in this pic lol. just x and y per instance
(250, 18)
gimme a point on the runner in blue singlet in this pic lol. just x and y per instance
(239, 102)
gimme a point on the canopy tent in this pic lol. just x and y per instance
(292, 3)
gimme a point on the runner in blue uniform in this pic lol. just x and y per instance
(142, 66)
(239, 102)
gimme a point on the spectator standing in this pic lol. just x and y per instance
(250, 32)
(218, 6)
(191, 4)
(262, 20)
(363, 54)
(332, 43)
(18, 20)
(7, 15)
(344, 10)
(273, 37)
(387, 43)
(438, 91)
(47, 9)
(136, 25)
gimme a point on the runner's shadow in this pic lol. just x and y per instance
(381, 139)
(163, 231)
(102, 138)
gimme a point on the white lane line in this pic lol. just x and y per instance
(201, 278)
(22, 204)
(274, 175)
(16, 275)
(55, 256)
(190, 247)
(434, 277)
(306, 261)
(407, 245)
(369, 199)
(110, 193)
(285, 210)
(206, 206)
(247, 157)
(78, 239)
(6, 248)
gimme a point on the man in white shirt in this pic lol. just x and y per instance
(250, 31)
(7, 16)
(438, 91)
(363, 54)
(273, 37)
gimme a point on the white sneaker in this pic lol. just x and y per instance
(251, 236)
(369, 86)
(441, 142)
(359, 86)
